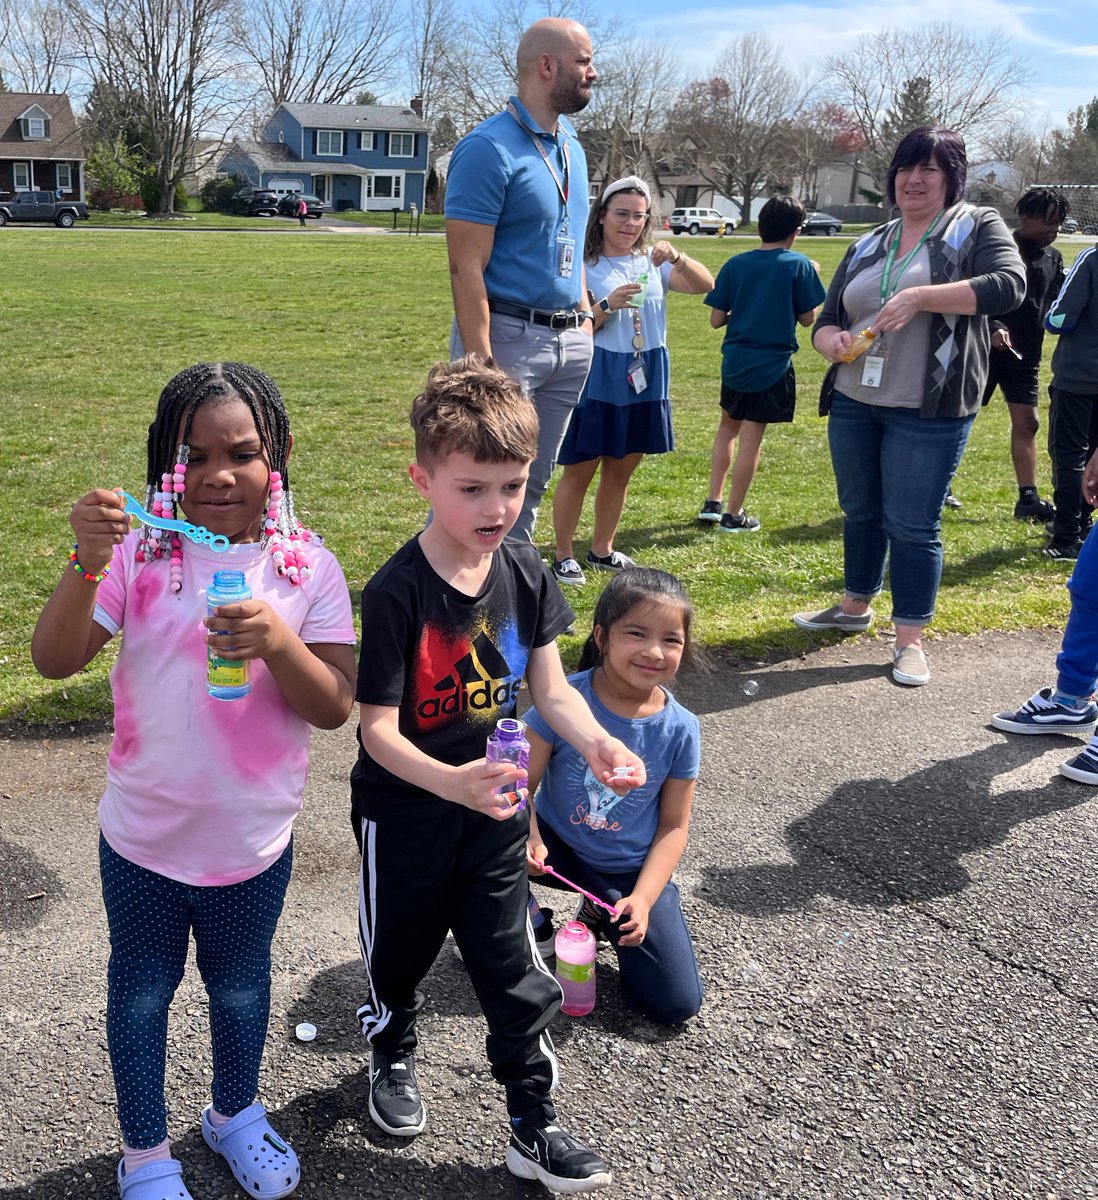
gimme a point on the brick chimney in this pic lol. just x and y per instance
(416, 105)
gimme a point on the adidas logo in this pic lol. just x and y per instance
(480, 679)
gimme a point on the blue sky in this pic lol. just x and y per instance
(1059, 37)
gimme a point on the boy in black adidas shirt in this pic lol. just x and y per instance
(450, 626)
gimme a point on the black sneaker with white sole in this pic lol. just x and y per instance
(541, 1150)
(711, 512)
(738, 523)
(395, 1103)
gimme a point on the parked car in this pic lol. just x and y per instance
(287, 205)
(820, 222)
(42, 206)
(255, 202)
(700, 220)
(1069, 225)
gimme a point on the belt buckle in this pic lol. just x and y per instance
(561, 319)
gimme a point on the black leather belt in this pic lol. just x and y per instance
(565, 318)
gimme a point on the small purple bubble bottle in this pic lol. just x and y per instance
(507, 743)
(575, 945)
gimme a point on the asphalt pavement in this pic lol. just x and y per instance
(895, 910)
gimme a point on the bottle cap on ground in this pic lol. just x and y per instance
(305, 1032)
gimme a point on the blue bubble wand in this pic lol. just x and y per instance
(197, 533)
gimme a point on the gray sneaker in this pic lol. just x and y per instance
(909, 666)
(834, 618)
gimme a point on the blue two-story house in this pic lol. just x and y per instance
(353, 156)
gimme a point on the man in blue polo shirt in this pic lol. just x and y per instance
(516, 215)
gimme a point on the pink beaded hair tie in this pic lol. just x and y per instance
(283, 538)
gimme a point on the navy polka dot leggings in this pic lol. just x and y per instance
(151, 918)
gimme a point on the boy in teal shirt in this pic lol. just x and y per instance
(759, 299)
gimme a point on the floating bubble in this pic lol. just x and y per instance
(751, 687)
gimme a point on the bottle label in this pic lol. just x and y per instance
(576, 972)
(221, 672)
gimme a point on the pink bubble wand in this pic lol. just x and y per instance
(582, 891)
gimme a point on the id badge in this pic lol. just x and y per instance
(566, 253)
(638, 381)
(873, 366)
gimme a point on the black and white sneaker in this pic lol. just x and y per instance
(711, 512)
(567, 570)
(740, 522)
(541, 1150)
(589, 914)
(395, 1103)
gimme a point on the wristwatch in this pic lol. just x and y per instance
(604, 304)
(585, 314)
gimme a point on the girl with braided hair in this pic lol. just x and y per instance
(197, 816)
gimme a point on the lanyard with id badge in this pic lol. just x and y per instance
(638, 380)
(566, 243)
(873, 365)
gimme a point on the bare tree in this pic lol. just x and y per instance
(317, 51)
(476, 68)
(973, 80)
(734, 119)
(35, 38)
(168, 64)
(639, 81)
(823, 132)
(425, 51)
(1030, 151)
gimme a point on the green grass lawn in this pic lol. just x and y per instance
(93, 326)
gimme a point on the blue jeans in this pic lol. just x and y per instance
(1077, 662)
(659, 978)
(892, 471)
(151, 919)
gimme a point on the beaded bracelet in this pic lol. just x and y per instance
(87, 574)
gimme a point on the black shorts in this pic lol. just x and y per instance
(1019, 383)
(770, 407)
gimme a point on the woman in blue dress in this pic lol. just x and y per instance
(624, 412)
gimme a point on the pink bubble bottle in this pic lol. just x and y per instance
(575, 945)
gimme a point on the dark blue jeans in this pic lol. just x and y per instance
(892, 471)
(151, 918)
(1077, 662)
(659, 978)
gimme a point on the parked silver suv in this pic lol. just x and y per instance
(700, 220)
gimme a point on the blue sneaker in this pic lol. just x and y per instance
(1040, 714)
(1083, 768)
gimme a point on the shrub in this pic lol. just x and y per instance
(217, 194)
(150, 195)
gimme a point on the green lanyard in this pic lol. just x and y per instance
(886, 272)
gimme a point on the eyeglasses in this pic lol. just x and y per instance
(625, 214)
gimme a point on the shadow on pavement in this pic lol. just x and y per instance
(878, 843)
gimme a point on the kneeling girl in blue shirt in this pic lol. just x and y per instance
(625, 848)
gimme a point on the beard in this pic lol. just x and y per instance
(569, 96)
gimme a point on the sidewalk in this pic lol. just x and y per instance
(896, 912)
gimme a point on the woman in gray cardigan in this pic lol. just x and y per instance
(924, 286)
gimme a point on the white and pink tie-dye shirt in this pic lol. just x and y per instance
(205, 791)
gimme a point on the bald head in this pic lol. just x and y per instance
(555, 72)
(553, 36)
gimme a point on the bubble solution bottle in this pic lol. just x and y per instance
(575, 946)
(225, 679)
(507, 743)
(859, 344)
